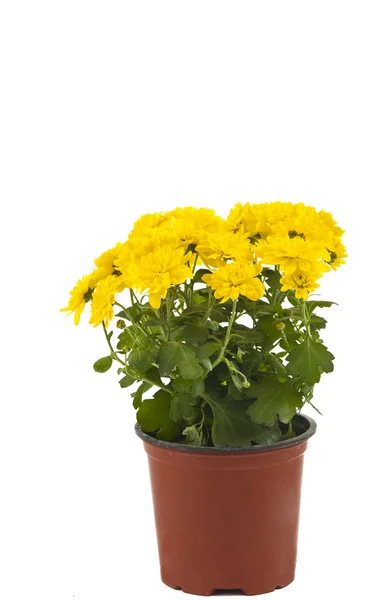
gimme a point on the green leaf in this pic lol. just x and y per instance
(194, 386)
(195, 435)
(103, 364)
(153, 376)
(309, 360)
(126, 338)
(142, 358)
(175, 354)
(233, 428)
(292, 298)
(245, 335)
(182, 407)
(126, 381)
(206, 363)
(207, 349)
(273, 398)
(220, 314)
(138, 395)
(313, 304)
(195, 334)
(238, 379)
(268, 325)
(213, 325)
(317, 322)
(154, 416)
(273, 278)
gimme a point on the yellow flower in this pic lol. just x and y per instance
(291, 253)
(158, 270)
(104, 298)
(307, 224)
(189, 224)
(235, 279)
(301, 283)
(237, 219)
(105, 262)
(337, 254)
(150, 221)
(330, 222)
(257, 219)
(215, 247)
(80, 295)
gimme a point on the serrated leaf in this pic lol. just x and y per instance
(195, 334)
(175, 354)
(273, 398)
(233, 428)
(309, 360)
(103, 364)
(154, 416)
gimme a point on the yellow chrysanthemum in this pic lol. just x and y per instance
(150, 221)
(105, 262)
(190, 224)
(216, 247)
(291, 253)
(307, 224)
(257, 219)
(104, 298)
(80, 295)
(148, 240)
(235, 279)
(330, 222)
(301, 283)
(337, 254)
(158, 270)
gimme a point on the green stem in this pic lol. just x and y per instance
(306, 318)
(210, 305)
(227, 335)
(113, 353)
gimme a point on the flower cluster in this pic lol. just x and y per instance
(164, 250)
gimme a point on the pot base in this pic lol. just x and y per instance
(202, 589)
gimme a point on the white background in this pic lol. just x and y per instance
(112, 109)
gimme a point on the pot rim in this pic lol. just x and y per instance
(308, 423)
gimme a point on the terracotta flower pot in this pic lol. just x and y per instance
(227, 518)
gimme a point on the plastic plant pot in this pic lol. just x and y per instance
(227, 518)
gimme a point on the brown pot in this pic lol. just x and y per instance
(227, 518)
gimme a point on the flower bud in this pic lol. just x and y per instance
(120, 324)
(280, 325)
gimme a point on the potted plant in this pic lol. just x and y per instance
(214, 327)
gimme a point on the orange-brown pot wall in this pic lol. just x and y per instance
(226, 520)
